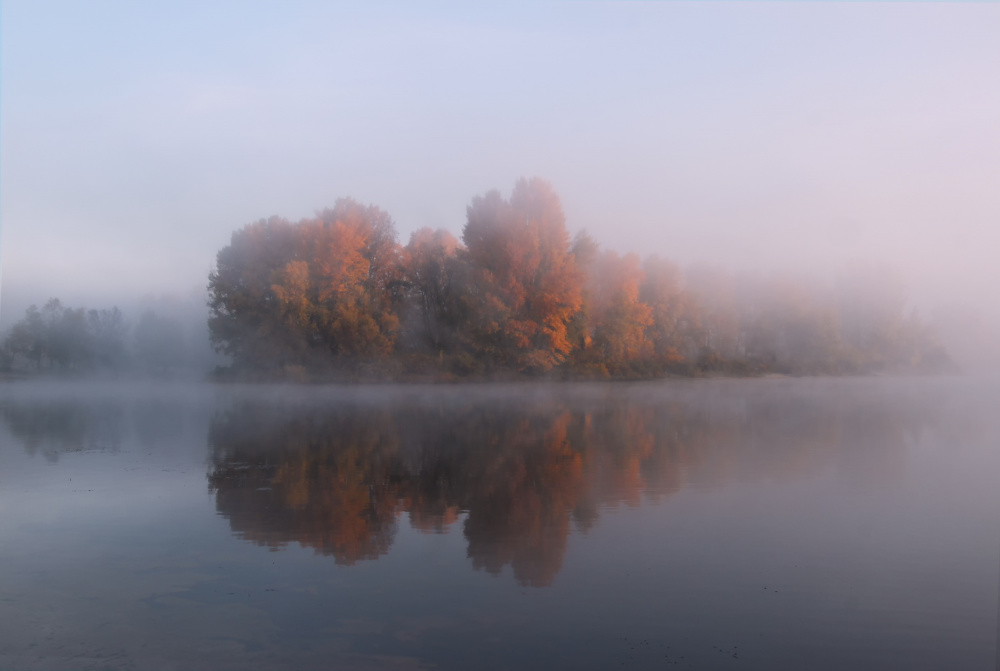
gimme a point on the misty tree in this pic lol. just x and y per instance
(27, 339)
(676, 319)
(431, 272)
(323, 291)
(872, 307)
(789, 324)
(68, 339)
(714, 291)
(69, 345)
(159, 342)
(525, 286)
(337, 292)
(109, 332)
(616, 323)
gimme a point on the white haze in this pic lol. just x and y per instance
(136, 137)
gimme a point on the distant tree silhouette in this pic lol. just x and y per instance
(57, 337)
(676, 317)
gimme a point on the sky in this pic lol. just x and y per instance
(793, 136)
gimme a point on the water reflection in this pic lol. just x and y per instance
(523, 472)
(56, 419)
(54, 427)
(812, 523)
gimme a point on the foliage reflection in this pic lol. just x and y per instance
(520, 475)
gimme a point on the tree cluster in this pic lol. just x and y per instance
(68, 339)
(337, 294)
(60, 339)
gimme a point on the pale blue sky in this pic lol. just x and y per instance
(135, 137)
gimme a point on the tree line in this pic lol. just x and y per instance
(337, 294)
(57, 338)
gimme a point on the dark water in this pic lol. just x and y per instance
(753, 524)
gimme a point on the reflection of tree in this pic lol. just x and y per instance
(336, 478)
(55, 427)
(521, 500)
(328, 482)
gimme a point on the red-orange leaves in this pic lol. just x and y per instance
(309, 293)
(336, 254)
(525, 286)
(291, 288)
(616, 319)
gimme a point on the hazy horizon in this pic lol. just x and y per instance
(798, 137)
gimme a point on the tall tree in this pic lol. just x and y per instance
(525, 285)
(714, 291)
(676, 319)
(108, 330)
(245, 314)
(617, 320)
(429, 267)
(28, 338)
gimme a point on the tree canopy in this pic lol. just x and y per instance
(337, 294)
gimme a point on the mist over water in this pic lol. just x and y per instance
(770, 523)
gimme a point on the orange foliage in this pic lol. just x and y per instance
(337, 292)
(295, 294)
(525, 286)
(617, 320)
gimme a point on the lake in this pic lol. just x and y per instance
(702, 524)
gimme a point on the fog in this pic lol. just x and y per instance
(785, 137)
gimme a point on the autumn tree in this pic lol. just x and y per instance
(524, 286)
(320, 291)
(616, 320)
(245, 321)
(359, 283)
(337, 292)
(430, 269)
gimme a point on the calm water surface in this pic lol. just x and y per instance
(747, 524)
